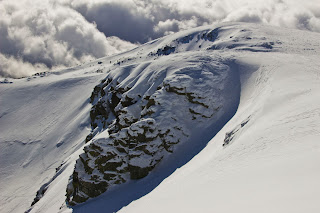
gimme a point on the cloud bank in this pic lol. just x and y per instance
(142, 20)
(40, 35)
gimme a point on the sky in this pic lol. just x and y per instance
(45, 35)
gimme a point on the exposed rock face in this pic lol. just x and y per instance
(141, 113)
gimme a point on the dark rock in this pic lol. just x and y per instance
(138, 172)
(165, 50)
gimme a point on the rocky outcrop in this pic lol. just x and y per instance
(140, 114)
(233, 133)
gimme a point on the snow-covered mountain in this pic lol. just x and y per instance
(233, 106)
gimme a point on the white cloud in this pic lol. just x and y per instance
(66, 32)
(15, 67)
(142, 20)
(48, 36)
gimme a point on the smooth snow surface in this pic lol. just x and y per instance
(265, 159)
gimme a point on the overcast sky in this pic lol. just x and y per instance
(41, 35)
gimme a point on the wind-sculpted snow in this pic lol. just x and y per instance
(142, 113)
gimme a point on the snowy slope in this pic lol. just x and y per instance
(265, 159)
(43, 122)
(272, 162)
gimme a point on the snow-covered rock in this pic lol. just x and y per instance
(149, 110)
